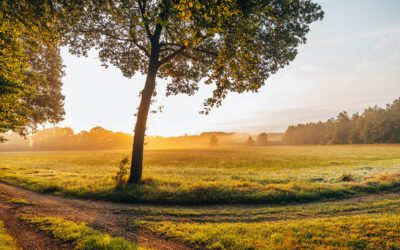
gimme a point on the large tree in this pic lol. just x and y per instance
(30, 66)
(233, 45)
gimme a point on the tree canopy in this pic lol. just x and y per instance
(31, 66)
(232, 45)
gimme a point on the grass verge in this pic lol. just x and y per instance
(81, 235)
(6, 241)
(349, 232)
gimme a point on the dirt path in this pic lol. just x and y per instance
(118, 219)
(26, 236)
(104, 216)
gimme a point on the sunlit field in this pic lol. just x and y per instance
(366, 223)
(264, 175)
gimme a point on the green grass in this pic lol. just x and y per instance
(369, 223)
(376, 204)
(309, 180)
(6, 241)
(350, 232)
(20, 201)
(81, 235)
(213, 176)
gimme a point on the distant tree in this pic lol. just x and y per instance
(356, 125)
(55, 138)
(234, 45)
(213, 141)
(31, 67)
(216, 133)
(262, 139)
(341, 133)
(250, 141)
(394, 127)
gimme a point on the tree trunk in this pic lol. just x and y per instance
(141, 120)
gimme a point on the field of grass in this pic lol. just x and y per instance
(6, 241)
(213, 176)
(297, 195)
(355, 232)
(371, 222)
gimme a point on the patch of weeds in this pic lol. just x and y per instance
(346, 178)
(20, 201)
(6, 241)
(81, 235)
(122, 173)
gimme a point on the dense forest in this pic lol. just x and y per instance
(98, 138)
(374, 125)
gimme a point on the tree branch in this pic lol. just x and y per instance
(142, 7)
(135, 41)
(172, 55)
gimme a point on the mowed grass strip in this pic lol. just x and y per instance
(375, 204)
(377, 231)
(213, 176)
(81, 235)
(370, 222)
(7, 242)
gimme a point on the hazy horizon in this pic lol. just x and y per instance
(350, 62)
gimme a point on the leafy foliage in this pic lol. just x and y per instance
(31, 71)
(120, 176)
(233, 45)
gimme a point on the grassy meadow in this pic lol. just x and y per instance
(348, 232)
(283, 197)
(264, 175)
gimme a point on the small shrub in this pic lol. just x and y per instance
(346, 178)
(121, 176)
(50, 189)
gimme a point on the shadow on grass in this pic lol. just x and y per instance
(152, 192)
(212, 195)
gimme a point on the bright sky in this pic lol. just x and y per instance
(351, 61)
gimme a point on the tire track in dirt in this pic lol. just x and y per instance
(26, 236)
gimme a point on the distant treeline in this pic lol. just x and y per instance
(374, 125)
(57, 138)
(98, 138)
